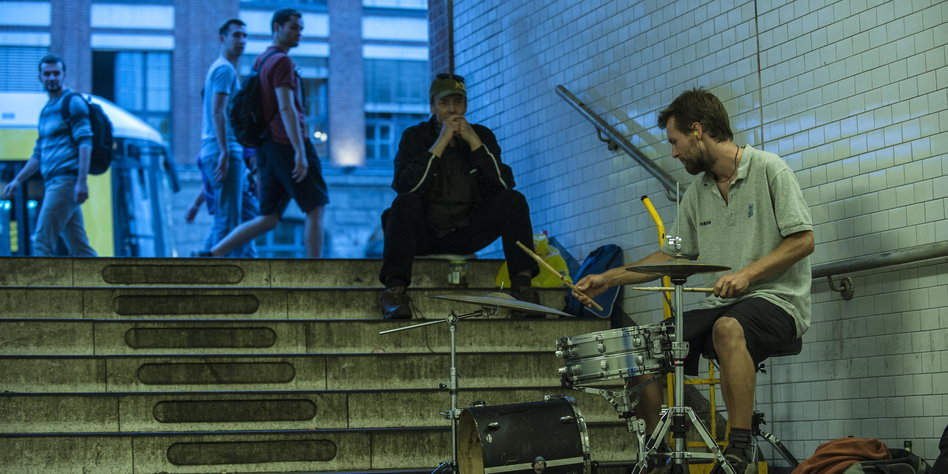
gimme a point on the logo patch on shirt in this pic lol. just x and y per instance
(750, 210)
(704, 223)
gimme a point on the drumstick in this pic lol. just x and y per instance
(672, 288)
(549, 267)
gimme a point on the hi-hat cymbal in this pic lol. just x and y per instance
(677, 268)
(500, 299)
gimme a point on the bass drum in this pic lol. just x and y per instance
(537, 437)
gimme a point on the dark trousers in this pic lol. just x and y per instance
(505, 215)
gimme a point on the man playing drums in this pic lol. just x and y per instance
(744, 210)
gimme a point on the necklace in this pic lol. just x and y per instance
(732, 171)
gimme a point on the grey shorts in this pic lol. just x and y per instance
(766, 327)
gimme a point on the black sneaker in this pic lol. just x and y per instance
(202, 253)
(395, 303)
(739, 459)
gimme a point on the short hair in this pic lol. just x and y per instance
(698, 105)
(282, 16)
(50, 59)
(226, 26)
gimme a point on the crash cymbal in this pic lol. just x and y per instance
(677, 268)
(500, 299)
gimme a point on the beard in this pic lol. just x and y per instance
(53, 86)
(697, 165)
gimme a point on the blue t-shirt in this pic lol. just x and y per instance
(221, 78)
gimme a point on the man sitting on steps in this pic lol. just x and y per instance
(454, 196)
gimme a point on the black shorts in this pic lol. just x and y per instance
(766, 327)
(277, 187)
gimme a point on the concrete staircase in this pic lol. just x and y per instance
(216, 365)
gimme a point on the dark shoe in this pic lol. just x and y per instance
(202, 253)
(395, 303)
(739, 460)
(528, 294)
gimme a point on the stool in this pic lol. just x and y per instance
(789, 348)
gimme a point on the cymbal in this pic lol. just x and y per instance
(500, 299)
(677, 267)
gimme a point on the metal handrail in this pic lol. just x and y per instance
(895, 257)
(869, 262)
(615, 140)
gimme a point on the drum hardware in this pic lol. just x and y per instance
(502, 300)
(677, 417)
(489, 307)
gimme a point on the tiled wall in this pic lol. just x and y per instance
(851, 93)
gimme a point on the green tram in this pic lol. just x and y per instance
(128, 210)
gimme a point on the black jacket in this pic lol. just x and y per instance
(436, 180)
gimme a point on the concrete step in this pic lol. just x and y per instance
(187, 272)
(228, 303)
(262, 410)
(107, 374)
(123, 337)
(267, 451)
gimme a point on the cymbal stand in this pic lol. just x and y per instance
(676, 417)
(452, 386)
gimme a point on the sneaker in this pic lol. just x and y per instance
(395, 303)
(739, 460)
(528, 294)
(202, 253)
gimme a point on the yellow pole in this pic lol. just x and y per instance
(667, 295)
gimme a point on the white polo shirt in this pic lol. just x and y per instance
(765, 205)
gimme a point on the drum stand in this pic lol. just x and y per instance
(452, 385)
(676, 417)
(624, 403)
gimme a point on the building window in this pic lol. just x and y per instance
(138, 81)
(383, 131)
(396, 82)
(419, 4)
(21, 68)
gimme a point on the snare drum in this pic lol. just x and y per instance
(548, 437)
(616, 353)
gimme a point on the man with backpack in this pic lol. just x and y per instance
(62, 154)
(287, 161)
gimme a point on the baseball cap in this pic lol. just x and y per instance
(445, 85)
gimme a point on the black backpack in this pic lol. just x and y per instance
(102, 142)
(245, 111)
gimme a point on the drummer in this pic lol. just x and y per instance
(744, 210)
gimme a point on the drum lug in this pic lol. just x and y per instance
(493, 426)
(567, 419)
(603, 364)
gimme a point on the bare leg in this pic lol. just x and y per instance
(314, 232)
(244, 233)
(650, 403)
(738, 375)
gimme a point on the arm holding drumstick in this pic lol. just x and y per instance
(562, 278)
